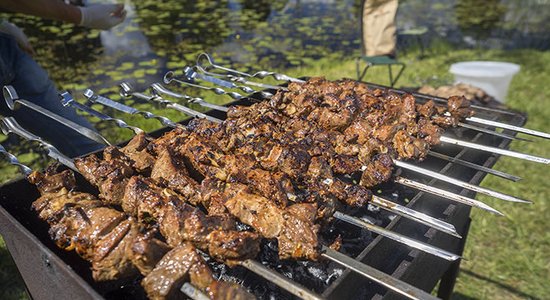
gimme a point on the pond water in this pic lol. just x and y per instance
(259, 34)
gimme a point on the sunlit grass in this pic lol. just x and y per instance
(508, 257)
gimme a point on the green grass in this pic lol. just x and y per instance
(507, 257)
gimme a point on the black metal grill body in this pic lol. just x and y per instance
(52, 273)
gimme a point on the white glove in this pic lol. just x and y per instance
(18, 34)
(102, 16)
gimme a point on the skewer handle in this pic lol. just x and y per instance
(127, 109)
(12, 159)
(13, 102)
(10, 125)
(509, 127)
(68, 100)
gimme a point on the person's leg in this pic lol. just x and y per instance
(32, 83)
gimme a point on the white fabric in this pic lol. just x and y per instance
(101, 16)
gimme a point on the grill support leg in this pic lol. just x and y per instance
(448, 280)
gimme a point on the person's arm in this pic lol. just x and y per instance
(48, 9)
(99, 16)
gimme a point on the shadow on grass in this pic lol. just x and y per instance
(11, 283)
(459, 296)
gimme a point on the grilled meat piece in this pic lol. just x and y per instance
(169, 169)
(52, 182)
(378, 171)
(223, 290)
(181, 264)
(136, 151)
(295, 233)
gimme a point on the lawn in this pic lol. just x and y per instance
(507, 257)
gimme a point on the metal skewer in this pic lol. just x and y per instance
(233, 78)
(9, 125)
(446, 194)
(510, 153)
(68, 100)
(260, 74)
(14, 161)
(457, 182)
(509, 127)
(126, 90)
(170, 76)
(127, 109)
(191, 76)
(377, 276)
(492, 132)
(474, 166)
(14, 103)
(160, 89)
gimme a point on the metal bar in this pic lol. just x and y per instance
(474, 166)
(127, 109)
(446, 194)
(13, 102)
(68, 100)
(490, 149)
(457, 182)
(415, 215)
(377, 276)
(397, 237)
(10, 125)
(12, 159)
(509, 127)
(281, 281)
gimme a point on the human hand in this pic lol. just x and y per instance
(102, 16)
(18, 34)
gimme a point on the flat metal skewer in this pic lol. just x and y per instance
(280, 280)
(126, 90)
(474, 166)
(492, 132)
(260, 74)
(14, 103)
(397, 237)
(509, 127)
(446, 194)
(415, 215)
(12, 159)
(68, 100)
(160, 89)
(169, 77)
(128, 109)
(239, 79)
(377, 276)
(490, 149)
(9, 125)
(457, 182)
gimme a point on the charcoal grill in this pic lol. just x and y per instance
(46, 268)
